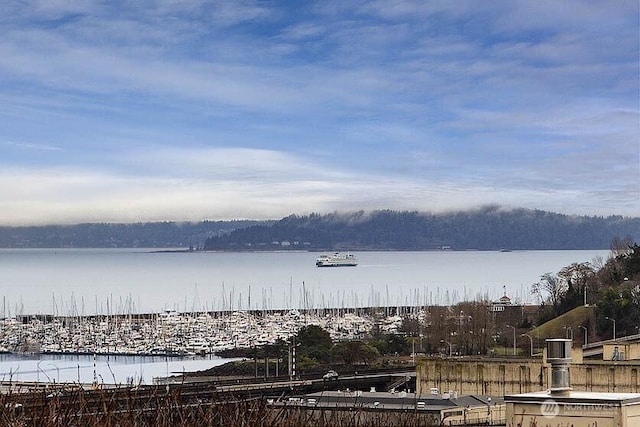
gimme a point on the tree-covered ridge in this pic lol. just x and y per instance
(489, 228)
(105, 235)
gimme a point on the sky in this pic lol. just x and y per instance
(185, 110)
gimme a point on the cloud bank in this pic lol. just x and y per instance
(239, 109)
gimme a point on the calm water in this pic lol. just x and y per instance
(88, 281)
(105, 369)
(74, 281)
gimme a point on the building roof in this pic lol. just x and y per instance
(392, 401)
(576, 397)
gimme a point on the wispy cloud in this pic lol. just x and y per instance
(258, 108)
(229, 183)
(30, 146)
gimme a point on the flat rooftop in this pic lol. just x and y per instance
(389, 401)
(576, 396)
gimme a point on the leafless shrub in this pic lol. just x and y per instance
(157, 406)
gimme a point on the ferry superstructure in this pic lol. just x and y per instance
(336, 260)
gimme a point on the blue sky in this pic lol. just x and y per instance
(189, 110)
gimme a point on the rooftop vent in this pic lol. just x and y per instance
(559, 355)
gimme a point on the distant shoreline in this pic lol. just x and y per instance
(187, 250)
(339, 250)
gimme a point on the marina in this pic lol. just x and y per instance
(174, 334)
(98, 369)
(136, 349)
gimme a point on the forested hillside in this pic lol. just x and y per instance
(490, 228)
(141, 235)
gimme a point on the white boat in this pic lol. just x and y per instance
(336, 260)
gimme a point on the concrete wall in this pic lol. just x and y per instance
(497, 377)
(604, 376)
(532, 414)
(493, 414)
(632, 414)
(631, 351)
(483, 377)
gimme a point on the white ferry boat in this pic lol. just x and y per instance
(336, 260)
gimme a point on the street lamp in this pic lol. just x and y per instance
(614, 326)
(460, 333)
(166, 380)
(569, 332)
(514, 338)
(447, 342)
(413, 350)
(39, 369)
(585, 334)
(530, 341)
(57, 369)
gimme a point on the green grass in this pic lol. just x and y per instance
(555, 328)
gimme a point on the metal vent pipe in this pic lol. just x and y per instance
(559, 356)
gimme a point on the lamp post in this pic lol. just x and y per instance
(447, 342)
(514, 338)
(462, 343)
(166, 361)
(614, 326)
(585, 334)
(569, 332)
(413, 350)
(57, 370)
(530, 341)
(40, 370)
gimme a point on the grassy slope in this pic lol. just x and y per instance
(555, 328)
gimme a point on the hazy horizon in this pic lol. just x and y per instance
(344, 213)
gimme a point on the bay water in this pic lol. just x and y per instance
(129, 281)
(99, 369)
(76, 282)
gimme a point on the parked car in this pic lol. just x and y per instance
(331, 375)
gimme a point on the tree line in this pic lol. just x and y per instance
(108, 235)
(488, 228)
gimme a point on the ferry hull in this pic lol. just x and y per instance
(336, 260)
